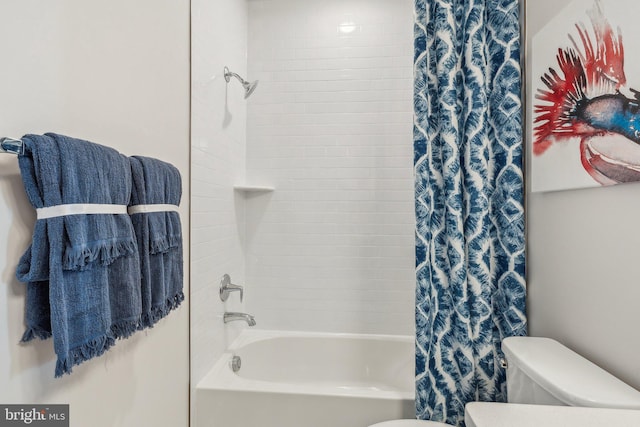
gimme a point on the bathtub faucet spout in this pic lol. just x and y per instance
(231, 316)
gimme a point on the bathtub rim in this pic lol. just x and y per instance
(221, 378)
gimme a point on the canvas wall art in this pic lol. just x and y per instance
(584, 103)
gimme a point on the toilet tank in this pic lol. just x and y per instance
(543, 371)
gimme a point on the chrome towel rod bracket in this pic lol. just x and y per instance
(10, 145)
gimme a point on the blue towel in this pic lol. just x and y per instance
(159, 236)
(82, 271)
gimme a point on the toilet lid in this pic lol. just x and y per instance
(410, 423)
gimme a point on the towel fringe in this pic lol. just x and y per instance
(162, 244)
(176, 300)
(104, 252)
(86, 351)
(159, 312)
(125, 329)
(33, 332)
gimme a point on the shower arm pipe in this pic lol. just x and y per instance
(228, 74)
(249, 87)
(11, 146)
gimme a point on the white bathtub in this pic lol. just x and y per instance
(302, 379)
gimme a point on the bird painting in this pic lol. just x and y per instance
(585, 97)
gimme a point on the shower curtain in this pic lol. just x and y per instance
(470, 257)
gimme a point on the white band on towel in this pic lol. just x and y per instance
(152, 208)
(79, 209)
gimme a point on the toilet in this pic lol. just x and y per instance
(410, 423)
(549, 384)
(541, 371)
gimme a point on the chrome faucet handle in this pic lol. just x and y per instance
(226, 287)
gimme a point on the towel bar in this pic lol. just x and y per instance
(10, 145)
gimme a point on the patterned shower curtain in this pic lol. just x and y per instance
(470, 258)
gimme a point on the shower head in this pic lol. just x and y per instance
(249, 87)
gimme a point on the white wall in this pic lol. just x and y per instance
(330, 127)
(115, 72)
(219, 38)
(583, 264)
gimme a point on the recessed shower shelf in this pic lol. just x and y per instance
(253, 188)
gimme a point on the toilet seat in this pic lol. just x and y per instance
(410, 423)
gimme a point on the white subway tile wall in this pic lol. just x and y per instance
(330, 127)
(218, 158)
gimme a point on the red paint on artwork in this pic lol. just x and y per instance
(584, 71)
(604, 62)
(564, 90)
(584, 97)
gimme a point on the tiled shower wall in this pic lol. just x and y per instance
(330, 127)
(218, 155)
